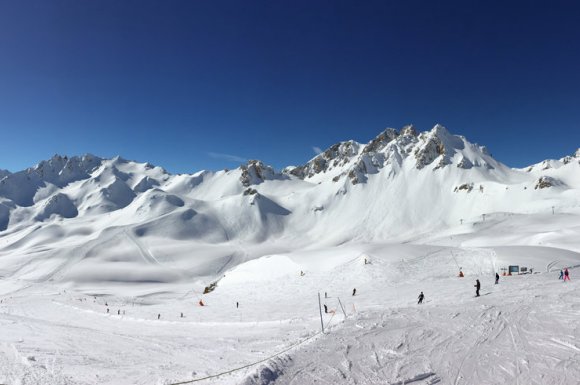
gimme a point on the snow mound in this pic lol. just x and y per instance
(268, 268)
(145, 184)
(59, 204)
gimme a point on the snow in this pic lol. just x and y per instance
(81, 235)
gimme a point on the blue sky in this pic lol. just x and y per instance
(191, 85)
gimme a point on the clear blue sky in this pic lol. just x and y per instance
(177, 82)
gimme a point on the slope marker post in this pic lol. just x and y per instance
(320, 310)
(340, 303)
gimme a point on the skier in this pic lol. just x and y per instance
(325, 295)
(460, 274)
(107, 310)
(561, 274)
(353, 292)
(566, 275)
(237, 305)
(119, 312)
(325, 309)
(496, 278)
(201, 303)
(181, 315)
(477, 287)
(421, 297)
(301, 273)
(158, 315)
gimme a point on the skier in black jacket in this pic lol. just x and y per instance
(421, 297)
(477, 287)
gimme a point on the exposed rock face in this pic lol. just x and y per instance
(391, 148)
(250, 191)
(464, 187)
(547, 181)
(336, 156)
(465, 163)
(255, 172)
(437, 144)
(432, 149)
(572, 158)
(59, 171)
(381, 141)
(408, 130)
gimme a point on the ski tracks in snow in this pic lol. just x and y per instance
(145, 253)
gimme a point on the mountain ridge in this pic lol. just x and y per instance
(399, 184)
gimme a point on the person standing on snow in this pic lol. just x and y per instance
(477, 287)
(566, 275)
(353, 292)
(421, 297)
(561, 274)
(496, 278)
(325, 309)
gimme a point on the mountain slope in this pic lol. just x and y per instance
(399, 186)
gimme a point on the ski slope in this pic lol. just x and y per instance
(522, 331)
(100, 258)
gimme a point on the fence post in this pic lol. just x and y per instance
(343, 312)
(320, 310)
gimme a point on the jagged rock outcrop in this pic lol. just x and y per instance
(336, 156)
(426, 154)
(256, 172)
(61, 170)
(250, 191)
(467, 187)
(391, 148)
(465, 163)
(22, 186)
(546, 182)
(381, 141)
(572, 158)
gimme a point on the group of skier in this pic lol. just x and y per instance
(564, 274)
(477, 288)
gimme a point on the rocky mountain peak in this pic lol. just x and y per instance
(335, 156)
(381, 140)
(408, 130)
(255, 172)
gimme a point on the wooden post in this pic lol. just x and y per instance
(340, 303)
(320, 310)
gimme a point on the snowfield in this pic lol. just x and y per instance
(524, 330)
(104, 265)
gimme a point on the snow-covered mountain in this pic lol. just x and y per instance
(397, 186)
(104, 262)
